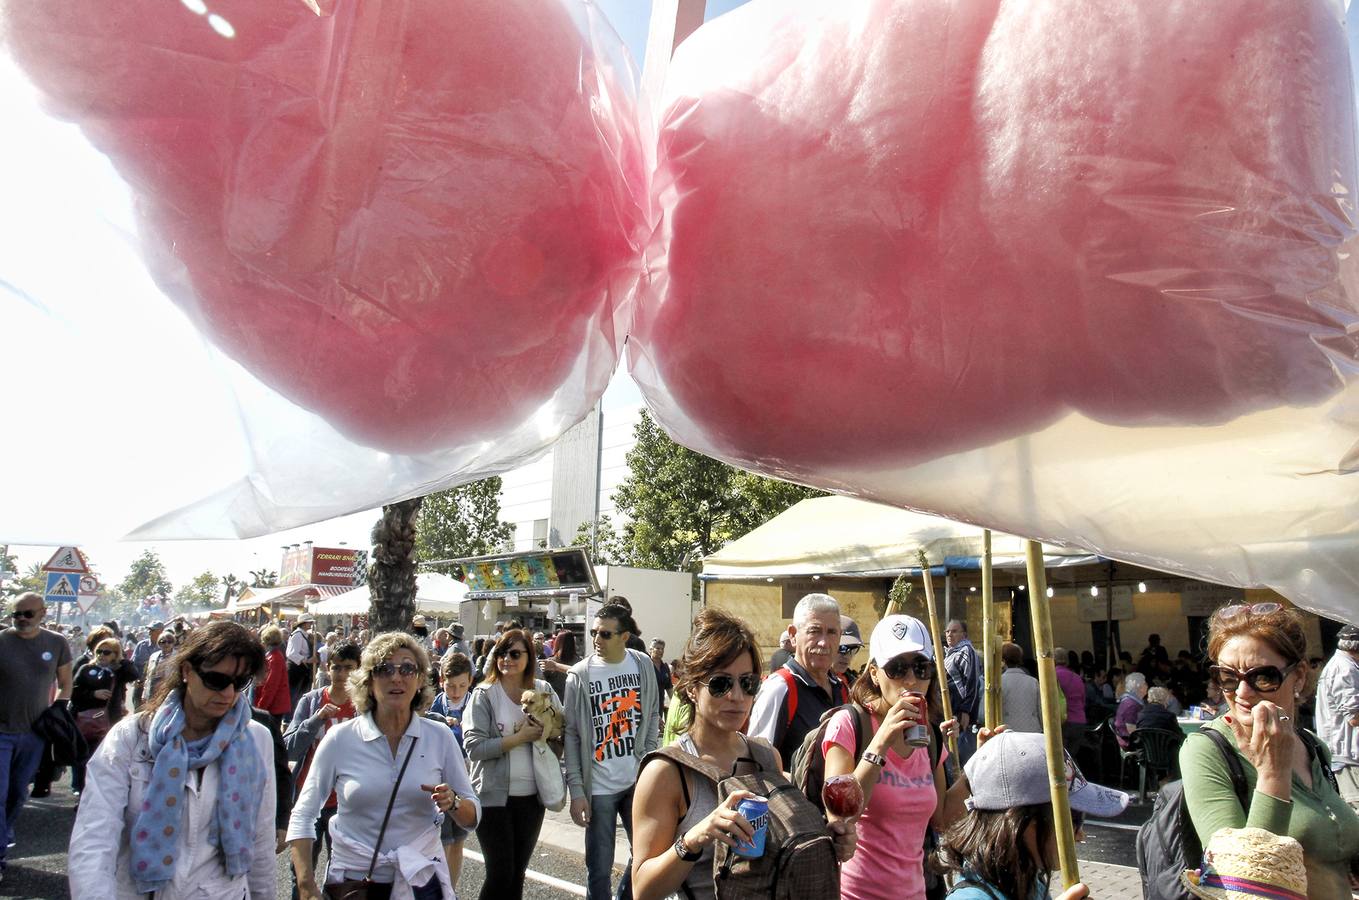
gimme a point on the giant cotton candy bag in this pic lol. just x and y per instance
(1081, 271)
(411, 218)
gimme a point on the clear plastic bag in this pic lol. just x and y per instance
(1077, 271)
(407, 231)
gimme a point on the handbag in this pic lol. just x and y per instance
(547, 772)
(356, 888)
(93, 724)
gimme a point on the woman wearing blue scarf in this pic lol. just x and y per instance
(179, 799)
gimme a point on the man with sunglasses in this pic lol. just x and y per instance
(792, 700)
(31, 659)
(1337, 713)
(612, 722)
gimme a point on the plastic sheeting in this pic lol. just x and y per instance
(406, 230)
(1078, 271)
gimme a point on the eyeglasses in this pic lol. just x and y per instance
(897, 667)
(219, 681)
(603, 634)
(105, 652)
(25, 614)
(721, 685)
(1241, 609)
(1262, 679)
(387, 670)
(849, 648)
(513, 654)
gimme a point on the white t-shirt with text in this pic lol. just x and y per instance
(616, 716)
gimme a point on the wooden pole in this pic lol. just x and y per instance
(1048, 690)
(939, 670)
(990, 645)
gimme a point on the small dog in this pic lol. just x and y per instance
(540, 707)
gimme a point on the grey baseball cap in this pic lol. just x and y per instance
(1011, 769)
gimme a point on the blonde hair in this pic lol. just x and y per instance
(271, 636)
(374, 655)
(117, 646)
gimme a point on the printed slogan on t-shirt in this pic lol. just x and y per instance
(616, 710)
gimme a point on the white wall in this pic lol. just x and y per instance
(661, 602)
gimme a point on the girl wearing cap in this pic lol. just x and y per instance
(903, 789)
(1005, 846)
(1260, 655)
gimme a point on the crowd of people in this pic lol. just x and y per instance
(388, 750)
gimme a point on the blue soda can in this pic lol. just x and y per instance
(756, 812)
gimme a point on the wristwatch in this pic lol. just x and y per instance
(457, 801)
(873, 759)
(683, 852)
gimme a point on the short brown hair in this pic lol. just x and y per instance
(1012, 655)
(455, 664)
(1280, 629)
(716, 640)
(505, 644)
(97, 634)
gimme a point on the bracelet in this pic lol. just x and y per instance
(873, 759)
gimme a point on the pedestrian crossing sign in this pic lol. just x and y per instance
(62, 587)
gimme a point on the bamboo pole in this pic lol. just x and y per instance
(990, 646)
(1048, 689)
(939, 670)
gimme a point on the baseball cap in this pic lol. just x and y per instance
(1348, 638)
(155, 626)
(899, 634)
(1011, 769)
(849, 633)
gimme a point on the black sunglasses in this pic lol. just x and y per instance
(1263, 679)
(105, 652)
(849, 648)
(25, 614)
(897, 667)
(219, 681)
(721, 685)
(386, 670)
(513, 654)
(603, 634)
(166, 642)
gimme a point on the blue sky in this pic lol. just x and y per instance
(630, 19)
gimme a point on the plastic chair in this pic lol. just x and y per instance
(1158, 751)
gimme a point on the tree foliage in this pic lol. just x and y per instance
(201, 593)
(31, 580)
(462, 521)
(263, 578)
(231, 586)
(682, 505)
(605, 544)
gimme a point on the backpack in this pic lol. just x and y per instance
(808, 769)
(799, 860)
(790, 702)
(1167, 843)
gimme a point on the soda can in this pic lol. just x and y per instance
(755, 810)
(918, 735)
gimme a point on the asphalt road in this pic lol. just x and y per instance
(37, 865)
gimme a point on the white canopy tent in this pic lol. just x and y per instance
(844, 536)
(434, 594)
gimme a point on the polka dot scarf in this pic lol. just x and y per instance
(155, 837)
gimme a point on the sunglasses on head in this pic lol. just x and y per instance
(603, 634)
(897, 667)
(387, 670)
(25, 614)
(1262, 679)
(721, 685)
(1242, 609)
(219, 681)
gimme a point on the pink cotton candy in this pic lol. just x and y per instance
(895, 230)
(415, 219)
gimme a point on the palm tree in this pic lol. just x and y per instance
(263, 578)
(232, 585)
(391, 577)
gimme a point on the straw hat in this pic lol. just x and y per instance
(1247, 863)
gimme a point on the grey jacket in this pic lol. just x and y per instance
(580, 732)
(306, 728)
(487, 764)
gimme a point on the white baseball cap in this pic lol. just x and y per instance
(898, 634)
(1011, 769)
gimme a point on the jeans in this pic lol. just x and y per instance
(967, 745)
(507, 835)
(19, 758)
(605, 809)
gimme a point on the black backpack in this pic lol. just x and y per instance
(1167, 843)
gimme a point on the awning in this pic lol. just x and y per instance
(843, 536)
(292, 595)
(434, 594)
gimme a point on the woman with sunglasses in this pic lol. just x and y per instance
(676, 818)
(1260, 653)
(179, 799)
(94, 693)
(499, 736)
(903, 789)
(158, 666)
(389, 754)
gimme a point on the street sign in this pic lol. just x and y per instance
(67, 559)
(89, 585)
(62, 587)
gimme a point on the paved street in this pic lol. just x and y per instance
(37, 866)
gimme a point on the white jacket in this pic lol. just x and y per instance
(116, 781)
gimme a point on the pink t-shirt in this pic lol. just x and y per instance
(889, 863)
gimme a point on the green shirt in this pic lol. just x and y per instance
(1316, 817)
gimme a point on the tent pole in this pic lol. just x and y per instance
(1041, 615)
(990, 644)
(939, 670)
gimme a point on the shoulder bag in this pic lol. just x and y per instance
(357, 889)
